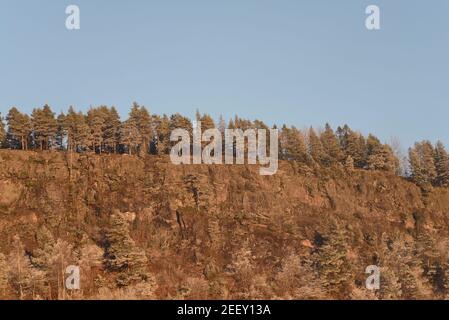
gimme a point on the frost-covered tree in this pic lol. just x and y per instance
(441, 165)
(122, 254)
(422, 163)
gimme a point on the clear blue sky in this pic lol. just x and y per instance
(298, 62)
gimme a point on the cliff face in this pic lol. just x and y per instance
(227, 232)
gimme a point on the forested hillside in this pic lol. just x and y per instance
(100, 193)
(140, 227)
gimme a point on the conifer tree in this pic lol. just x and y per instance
(2, 132)
(316, 149)
(409, 284)
(243, 124)
(140, 118)
(178, 121)
(4, 269)
(24, 279)
(145, 127)
(111, 132)
(380, 156)
(352, 144)
(161, 136)
(373, 145)
(96, 121)
(130, 136)
(349, 163)
(404, 258)
(52, 257)
(335, 269)
(61, 132)
(360, 155)
(259, 125)
(330, 145)
(45, 243)
(206, 122)
(78, 131)
(122, 254)
(422, 163)
(446, 276)
(44, 126)
(417, 170)
(292, 144)
(341, 134)
(62, 256)
(283, 142)
(18, 129)
(390, 285)
(430, 260)
(441, 165)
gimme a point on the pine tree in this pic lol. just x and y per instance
(352, 144)
(390, 285)
(206, 122)
(24, 279)
(122, 254)
(380, 156)
(45, 243)
(4, 269)
(404, 258)
(52, 257)
(298, 280)
(441, 165)
(161, 134)
(283, 142)
(330, 145)
(130, 136)
(145, 127)
(61, 132)
(316, 149)
(422, 163)
(292, 144)
(44, 127)
(409, 284)
(140, 125)
(417, 171)
(178, 121)
(76, 130)
(18, 129)
(61, 257)
(349, 164)
(430, 261)
(96, 120)
(111, 133)
(446, 276)
(335, 270)
(2, 132)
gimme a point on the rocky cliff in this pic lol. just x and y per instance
(227, 232)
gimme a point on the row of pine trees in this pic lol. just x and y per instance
(102, 131)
